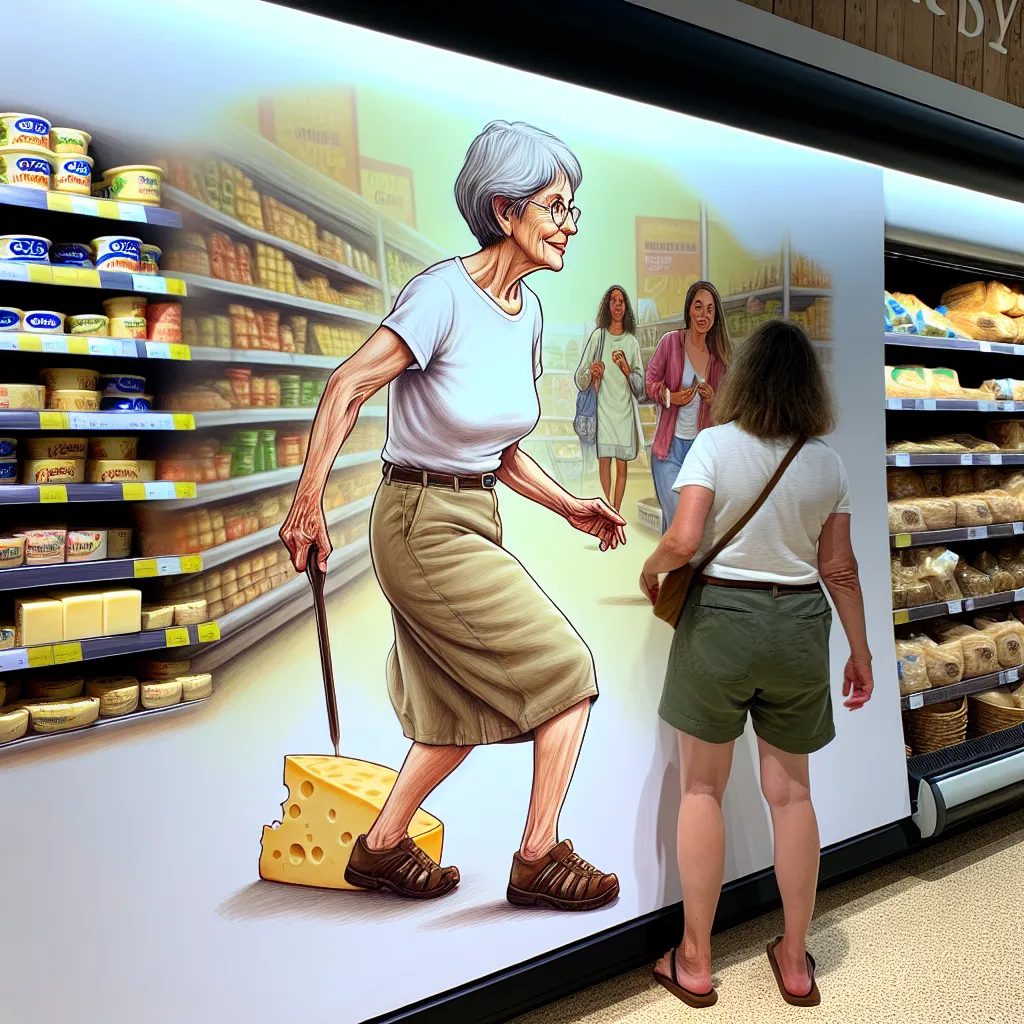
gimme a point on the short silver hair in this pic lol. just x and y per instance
(515, 161)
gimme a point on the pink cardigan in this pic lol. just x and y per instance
(666, 369)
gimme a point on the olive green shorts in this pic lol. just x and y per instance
(752, 650)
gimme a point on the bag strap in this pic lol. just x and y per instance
(752, 511)
(600, 348)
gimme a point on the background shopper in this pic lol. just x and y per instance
(611, 362)
(684, 374)
(754, 636)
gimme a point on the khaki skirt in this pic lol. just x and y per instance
(481, 653)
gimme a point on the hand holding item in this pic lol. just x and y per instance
(304, 527)
(600, 520)
(858, 682)
(684, 397)
(596, 373)
(619, 358)
(649, 585)
(705, 391)
(666, 396)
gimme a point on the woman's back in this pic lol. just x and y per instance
(780, 544)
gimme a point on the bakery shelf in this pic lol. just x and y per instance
(930, 537)
(298, 252)
(259, 619)
(35, 494)
(958, 459)
(938, 694)
(213, 557)
(84, 206)
(952, 344)
(901, 616)
(198, 285)
(77, 277)
(71, 652)
(239, 417)
(239, 485)
(102, 723)
(265, 357)
(49, 419)
(950, 405)
(26, 576)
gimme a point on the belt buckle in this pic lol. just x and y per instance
(489, 481)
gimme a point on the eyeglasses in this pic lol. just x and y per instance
(559, 212)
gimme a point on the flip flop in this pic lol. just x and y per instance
(694, 999)
(813, 998)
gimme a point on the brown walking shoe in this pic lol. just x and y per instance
(404, 870)
(562, 880)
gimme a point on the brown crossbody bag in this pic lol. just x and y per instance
(677, 586)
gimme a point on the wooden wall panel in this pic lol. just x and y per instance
(908, 31)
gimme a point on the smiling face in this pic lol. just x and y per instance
(702, 311)
(541, 241)
(617, 306)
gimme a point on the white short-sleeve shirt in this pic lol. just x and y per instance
(472, 390)
(780, 544)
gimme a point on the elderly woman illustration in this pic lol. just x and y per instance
(481, 654)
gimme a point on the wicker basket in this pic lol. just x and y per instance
(909, 752)
(985, 718)
(936, 726)
(650, 513)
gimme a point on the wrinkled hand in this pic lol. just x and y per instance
(705, 391)
(600, 520)
(619, 358)
(684, 397)
(304, 527)
(596, 374)
(649, 586)
(858, 683)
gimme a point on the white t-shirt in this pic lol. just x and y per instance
(686, 418)
(780, 544)
(472, 390)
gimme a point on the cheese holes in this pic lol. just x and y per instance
(307, 789)
(373, 792)
(277, 855)
(332, 815)
(316, 854)
(294, 811)
(296, 854)
(345, 838)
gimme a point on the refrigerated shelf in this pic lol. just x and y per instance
(48, 494)
(239, 417)
(27, 576)
(79, 277)
(85, 206)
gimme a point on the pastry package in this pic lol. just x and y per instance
(945, 383)
(958, 481)
(908, 382)
(972, 582)
(905, 517)
(968, 298)
(937, 568)
(1002, 580)
(924, 320)
(1006, 389)
(983, 326)
(904, 483)
(897, 317)
(1007, 434)
(1005, 507)
(1009, 640)
(910, 665)
(931, 479)
(988, 478)
(937, 513)
(972, 510)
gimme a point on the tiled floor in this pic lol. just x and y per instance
(935, 938)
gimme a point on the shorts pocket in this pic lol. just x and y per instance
(723, 643)
(802, 649)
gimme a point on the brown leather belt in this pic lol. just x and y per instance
(779, 588)
(484, 482)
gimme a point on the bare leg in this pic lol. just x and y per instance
(604, 468)
(620, 482)
(704, 768)
(785, 783)
(556, 747)
(425, 768)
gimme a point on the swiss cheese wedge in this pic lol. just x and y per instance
(331, 802)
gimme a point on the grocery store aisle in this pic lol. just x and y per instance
(931, 938)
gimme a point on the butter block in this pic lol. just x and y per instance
(331, 801)
(160, 693)
(82, 614)
(122, 612)
(38, 620)
(158, 616)
(13, 724)
(196, 687)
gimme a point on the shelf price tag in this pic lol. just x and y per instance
(65, 654)
(968, 604)
(131, 211)
(984, 346)
(133, 492)
(955, 607)
(40, 275)
(181, 352)
(900, 617)
(50, 494)
(152, 283)
(145, 568)
(915, 701)
(966, 460)
(13, 271)
(11, 661)
(986, 406)
(977, 532)
(158, 350)
(66, 276)
(191, 563)
(78, 346)
(58, 202)
(177, 637)
(185, 489)
(928, 404)
(208, 632)
(40, 657)
(30, 343)
(49, 420)
(901, 540)
(88, 279)
(157, 490)
(170, 566)
(903, 460)
(1018, 528)
(85, 206)
(1018, 595)
(1011, 675)
(995, 459)
(184, 421)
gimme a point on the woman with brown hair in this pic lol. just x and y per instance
(683, 377)
(754, 637)
(618, 432)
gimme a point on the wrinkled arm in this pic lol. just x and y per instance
(681, 540)
(837, 565)
(521, 474)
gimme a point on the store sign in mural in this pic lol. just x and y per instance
(390, 187)
(668, 261)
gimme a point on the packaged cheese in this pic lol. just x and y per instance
(910, 666)
(196, 687)
(52, 471)
(160, 693)
(168, 669)
(86, 545)
(118, 695)
(904, 483)
(108, 471)
(56, 447)
(903, 518)
(117, 448)
(972, 510)
(82, 613)
(38, 621)
(22, 396)
(13, 724)
(12, 552)
(44, 547)
(62, 715)
(122, 611)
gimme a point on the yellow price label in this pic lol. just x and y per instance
(191, 563)
(65, 276)
(53, 493)
(107, 208)
(40, 657)
(50, 420)
(133, 492)
(176, 287)
(180, 352)
(184, 421)
(88, 279)
(78, 346)
(177, 637)
(901, 540)
(30, 343)
(64, 654)
(185, 489)
(40, 275)
(208, 632)
(145, 567)
(901, 617)
(59, 202)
